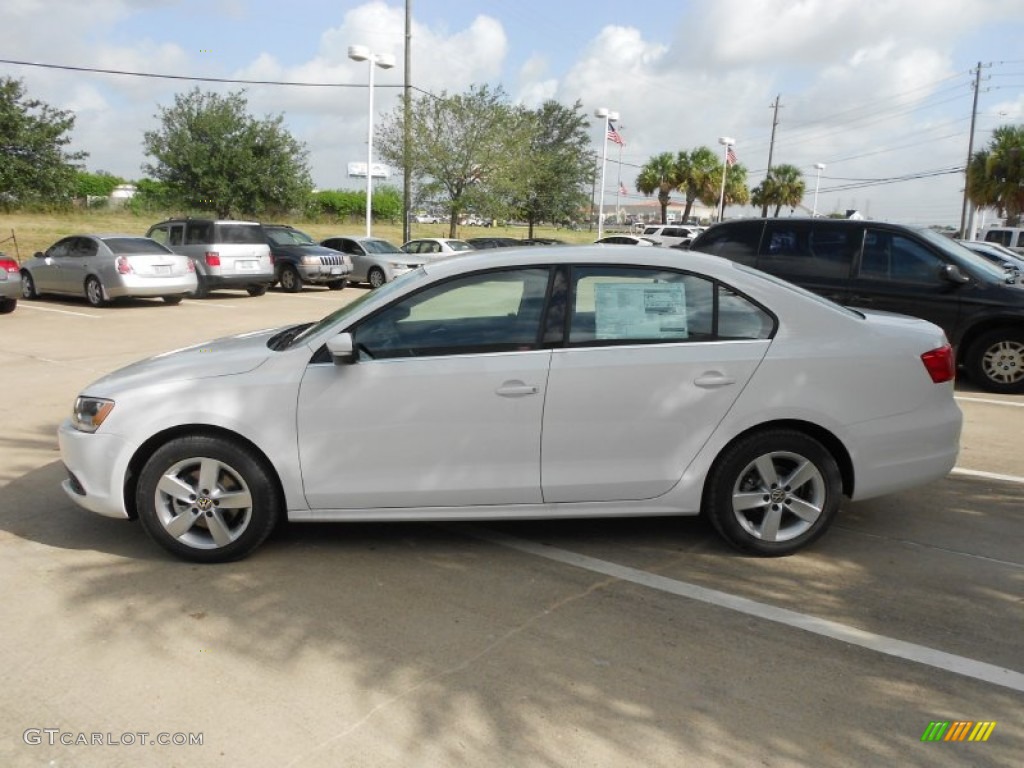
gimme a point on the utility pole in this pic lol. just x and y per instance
(970, 153)
(406, 127)
(771, 149)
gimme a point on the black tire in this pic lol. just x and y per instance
(257, 289)
(752, 506)
(94, 292)
(225, 523)
(290, 279)
(995, 361)
(337, 285)
(202, 288)
(376, 277)
(172, 300)
(28, 286)
(7, 305)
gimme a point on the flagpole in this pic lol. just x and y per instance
(726, 142)
(618, 189)
(608, 116)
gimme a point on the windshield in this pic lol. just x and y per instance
(379, 246)
(338, 316)
(963, 255)
(288, 237)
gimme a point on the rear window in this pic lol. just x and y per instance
(129, 245)
(239, 233)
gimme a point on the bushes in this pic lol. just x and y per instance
(350, 205)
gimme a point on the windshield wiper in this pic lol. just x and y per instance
(281, 340)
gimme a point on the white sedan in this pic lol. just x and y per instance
(527, 383)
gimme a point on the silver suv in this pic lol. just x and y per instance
(670, 234)
(227, 254)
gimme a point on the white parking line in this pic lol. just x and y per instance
(987, 475)
(931, 657)
(988, 401)
(26, 305)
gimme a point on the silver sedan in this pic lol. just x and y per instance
(10, 284)
(107, 267)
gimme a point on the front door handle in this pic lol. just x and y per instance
(713, 380)
(516, 388)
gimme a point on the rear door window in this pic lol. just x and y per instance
(736, 241)
(199, 233)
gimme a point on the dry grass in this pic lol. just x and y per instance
(38, 231)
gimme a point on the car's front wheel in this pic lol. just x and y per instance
(773, 492)
(337, 285)
(995, 361)
(376, 277)
(207, 499)
(28, 286)
(290, 279)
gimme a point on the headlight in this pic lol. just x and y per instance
(311, 261)
(90, 413)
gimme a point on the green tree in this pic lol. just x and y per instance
(659, 174)
(784, 186)
(213, 155)
(34, 165)
(99, 184)
(996, 174)
(548, 181)
(462, 148)
(736, 190)
(698, 176)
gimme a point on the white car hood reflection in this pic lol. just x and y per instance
(227, 356)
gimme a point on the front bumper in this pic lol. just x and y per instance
(97, 465)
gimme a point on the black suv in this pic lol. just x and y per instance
(914, 271)
(299, 259)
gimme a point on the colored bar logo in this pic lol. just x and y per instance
(958, 730)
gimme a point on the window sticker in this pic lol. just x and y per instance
(640, 311)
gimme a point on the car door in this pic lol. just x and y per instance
(654, 360)
(900, 273)
(46, 271)
(443, 407)
(72, 265)
(360, 260)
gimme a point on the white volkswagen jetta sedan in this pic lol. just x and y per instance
(579, 382)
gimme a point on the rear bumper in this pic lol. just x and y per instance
(134, 285)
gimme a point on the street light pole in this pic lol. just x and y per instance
(726, 142)
(608, 116)
(817, 183)
(384, 61)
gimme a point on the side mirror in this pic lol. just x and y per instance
(954, 274)
(37, 255)
(342, 349)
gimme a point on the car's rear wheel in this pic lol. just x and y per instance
(337, 285)
(94, 292)
(773, 492)
(207, 499)
(202, 288)
(172, 300)
(290, 279)
(257, 289)
(995, 361)
(376, 277)
(7, 305)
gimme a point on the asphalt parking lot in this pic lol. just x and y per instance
(595, 643)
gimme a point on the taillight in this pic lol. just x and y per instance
(212, 259)
(124, 266)
(190, 266)
(8, 265)
(940, 364)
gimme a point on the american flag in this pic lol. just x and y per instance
(613, 135)
(730, 156)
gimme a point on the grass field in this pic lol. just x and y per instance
(38, 231)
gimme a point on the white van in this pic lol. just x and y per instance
(1008, 237)
(670, 234)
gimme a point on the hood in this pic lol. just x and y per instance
(303, 250)
(222, 357)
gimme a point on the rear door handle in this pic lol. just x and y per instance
(517, 388)
(713, 380)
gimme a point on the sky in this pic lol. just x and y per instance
(879, 91)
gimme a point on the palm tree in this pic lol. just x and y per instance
(698, 176)
(1004, 172)
(658, 175)
(785, 186)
